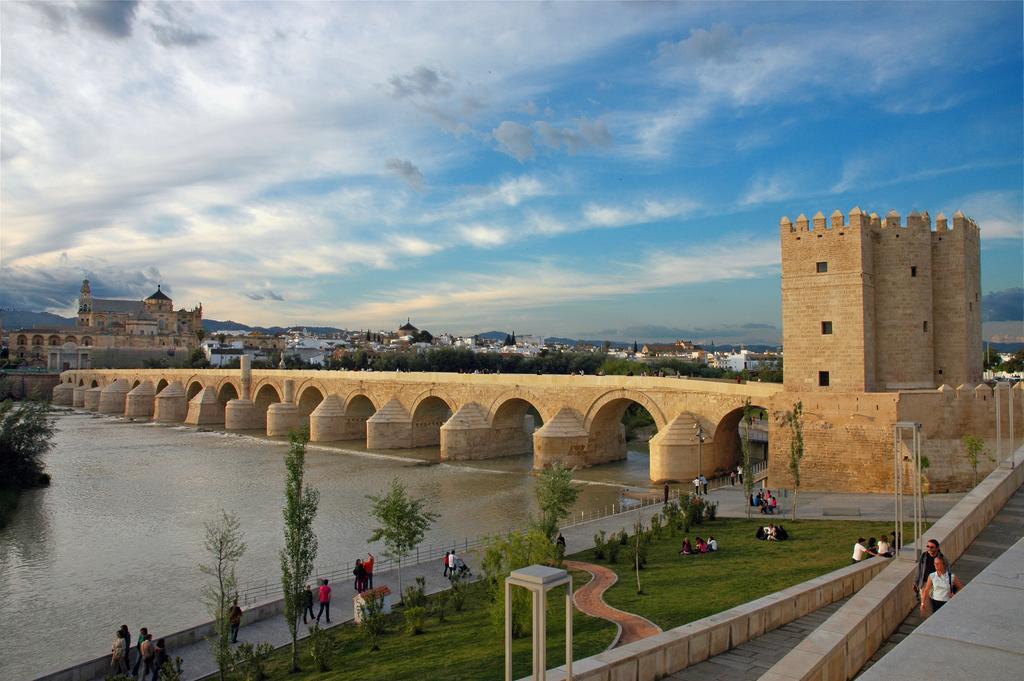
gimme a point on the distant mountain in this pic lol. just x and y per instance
(17, 319)
(214, 326)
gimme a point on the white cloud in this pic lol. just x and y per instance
(999, 214)
(648, 211)
(769, 188)
(483, 236)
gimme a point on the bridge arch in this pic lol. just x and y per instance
(227, 391)
(160, 385)
(429, 412)
(309, 397)
(604, 422)
(94, 384)
(511, 431)
(194, 387)
(264, 396)
(725, 450)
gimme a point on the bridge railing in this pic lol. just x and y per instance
(258, 592)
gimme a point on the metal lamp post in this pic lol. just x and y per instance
(700, 445)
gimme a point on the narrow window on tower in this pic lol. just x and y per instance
(823, 379)
(925, 326)
(913, 270)
(826, 328)
(823, 266)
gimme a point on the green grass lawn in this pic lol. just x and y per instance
(466, 646)
(676, 590)
(679, 589)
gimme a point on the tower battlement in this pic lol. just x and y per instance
(880, 302)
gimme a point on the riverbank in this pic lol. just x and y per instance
(8, 504)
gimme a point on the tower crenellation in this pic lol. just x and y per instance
(880, 303)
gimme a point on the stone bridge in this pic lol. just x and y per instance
(470, 416)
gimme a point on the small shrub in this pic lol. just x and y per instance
(457, 594)
(374, 624)
(697, 510)
(613, 548)
(711, 510)
(656, 526)
(441, 604)
(251, 660)
(416, 594)
(672, 518)
(623, 537)
(599, 543)
(321, 648)
(171, 671)
(640, 551)
(119, 677)
(414, 620)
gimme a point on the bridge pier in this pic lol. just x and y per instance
(78, 396)
(205, 409)
(389, 428)
(327, 421)
(466, 435)
(674, 451)
(241, 414)
(62, 394)
(171, 404)
(113, 396)
(92, 398)
(140, 401)
(562, 440)
(283, 417)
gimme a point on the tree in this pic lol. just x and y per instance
(26, 434)
(403, 522)
(200, 334)
(300, 543)
(225, 545)
(991, 359)
(502, 555)
(748, 478)
(975, 446)
(796, 447)
(555, 496)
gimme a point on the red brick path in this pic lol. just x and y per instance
(590, 600)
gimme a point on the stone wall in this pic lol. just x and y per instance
(33, 386)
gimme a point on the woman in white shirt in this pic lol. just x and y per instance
(940, 586)
(883, 549)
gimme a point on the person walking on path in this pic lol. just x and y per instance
(368, 566)
(560, 544)
(117, 653)
(696, 485)
(451, 564)
(665, 499)
(732, 478)
(307, 602)
(739, 473)
(445, 559)
(159, 658)
(325, 602)
(235, 618)
(940, 586)
(143, 632)
(359, 572)
(926, 564)
(704, 483)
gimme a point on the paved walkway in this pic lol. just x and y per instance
(1002, 532)
(747, 662)
(590, 600)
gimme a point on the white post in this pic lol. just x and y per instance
(999, 434)
(568, 632)
(541, 651)
(1009, 404)
(508, 631)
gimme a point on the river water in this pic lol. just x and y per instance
(118, 535)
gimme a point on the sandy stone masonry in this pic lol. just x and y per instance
(881, 323)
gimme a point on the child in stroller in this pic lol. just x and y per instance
(461, 569)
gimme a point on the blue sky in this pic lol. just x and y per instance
(563, 168)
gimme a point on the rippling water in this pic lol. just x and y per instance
(118, 535)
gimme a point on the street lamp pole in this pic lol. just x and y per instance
(700, 445)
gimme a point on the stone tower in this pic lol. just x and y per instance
(84, 303)
(873, 305)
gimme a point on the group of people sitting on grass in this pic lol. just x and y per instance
(771, 532)
(699, 546)
(883, 547)
(765, 501)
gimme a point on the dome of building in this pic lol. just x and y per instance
(159, 295)
(407, 328)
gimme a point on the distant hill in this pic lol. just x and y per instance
(214, 326)
(18, 319)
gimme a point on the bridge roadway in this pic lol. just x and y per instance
(470, 416)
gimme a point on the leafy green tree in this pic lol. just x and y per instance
(502, 555)
(991, 359)
(794, 419)
(748, 478)
(974, 447)
(26, 435)
(224, 542)
(300, 543)
(555, 496)
(403, 522)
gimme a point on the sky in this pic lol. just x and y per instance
(578, 169)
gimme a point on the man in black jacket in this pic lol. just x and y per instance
(926, 564)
